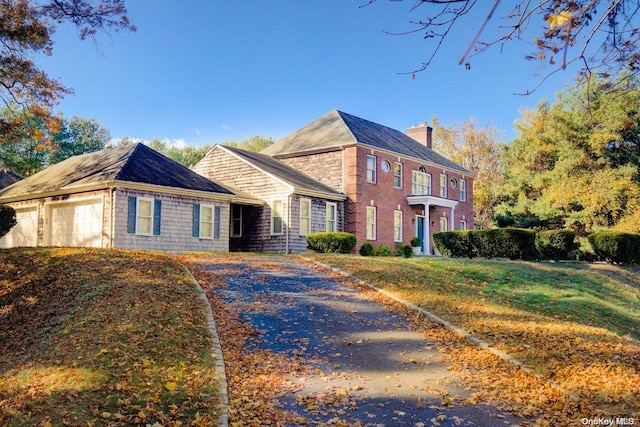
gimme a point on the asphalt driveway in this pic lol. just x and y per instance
(365, 365)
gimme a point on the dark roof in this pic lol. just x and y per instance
(132, 163)
(285, 173)
(337, 129)
(8, 177)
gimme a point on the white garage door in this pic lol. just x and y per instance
(25, 232)
(75, 223)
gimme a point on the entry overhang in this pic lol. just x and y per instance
(431, 201)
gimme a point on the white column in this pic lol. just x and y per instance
(452, 225)
(426, 228)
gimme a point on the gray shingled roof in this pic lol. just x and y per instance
(337, 129)
(8, 178)
(133, 163)
(299, 181)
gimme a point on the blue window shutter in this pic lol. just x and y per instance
(196, 220)
(131, 215)
(157, 215)
(216, 222)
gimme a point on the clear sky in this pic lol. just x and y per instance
(206, 71)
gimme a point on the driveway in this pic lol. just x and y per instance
(361, 363)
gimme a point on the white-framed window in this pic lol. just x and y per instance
(420, 182)
(206, 222)
(277, 219)
(397, 175)
(305, 217)
(236, 220)
(397, 226)
(463, 224)
(144, 216)
(444, 223)
(331, 217)
(371, 168)
(463, 190)
(443, 185)
(371, 223)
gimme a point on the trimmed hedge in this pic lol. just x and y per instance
(555, 244)
(512, 243)
(366, 249)
(7, 219)
(338, 242)
(615, 247)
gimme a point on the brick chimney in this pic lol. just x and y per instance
(421, 133)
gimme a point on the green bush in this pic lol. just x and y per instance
(7, 219)
(455, 244)
(382, 250)
(366, 249)
(407, 251)
(555, 244)
(512, 243)
(615, 247)
(342, 243)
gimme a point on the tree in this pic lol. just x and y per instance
(255, 143)
(26, 29)
(7, 219)
(599, 34)
(186, 156)
(25, 153)
(477, 149)
(576, 162)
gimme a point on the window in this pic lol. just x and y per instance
(443, 223)
(463, 224)
(143, 216)
(206, 221)
(397, 226)
(385, 166)
(443, 185)
(276, 217)
(305, 217)
(371, 223)
(331, 217)
(371, 169)
(236, 220)
(420, 182)
(463, 190)
(397, 175)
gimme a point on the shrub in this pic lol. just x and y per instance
(455, 244)
(615, 247)
(382, 250)
(512, 243)
(7, 219)
(555, 244)
(407, 251)
(342, 243)
(366, 249)
(415, 241)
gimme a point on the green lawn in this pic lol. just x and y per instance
(102, 337)
(576, 324)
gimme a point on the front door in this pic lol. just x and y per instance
(420, 231)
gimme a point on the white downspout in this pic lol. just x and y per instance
(286, 244)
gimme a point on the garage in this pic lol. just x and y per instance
(25, 232)
(75, 223)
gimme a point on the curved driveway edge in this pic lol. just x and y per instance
(216, 351)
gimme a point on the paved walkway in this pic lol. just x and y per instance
(370, 368)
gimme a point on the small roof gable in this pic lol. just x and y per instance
(337, 129)
(8, 178)
(132, 163)
(300, 182)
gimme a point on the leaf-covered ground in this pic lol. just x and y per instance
(102, 338)
(575, 325)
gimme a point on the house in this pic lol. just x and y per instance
(295, 203)
(396, 185)
(126, 197)
(8, 177)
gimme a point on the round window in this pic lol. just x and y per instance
(385, 166)
(454, 183)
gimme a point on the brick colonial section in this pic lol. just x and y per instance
(351, 178)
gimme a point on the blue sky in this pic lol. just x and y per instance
(206, 71)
